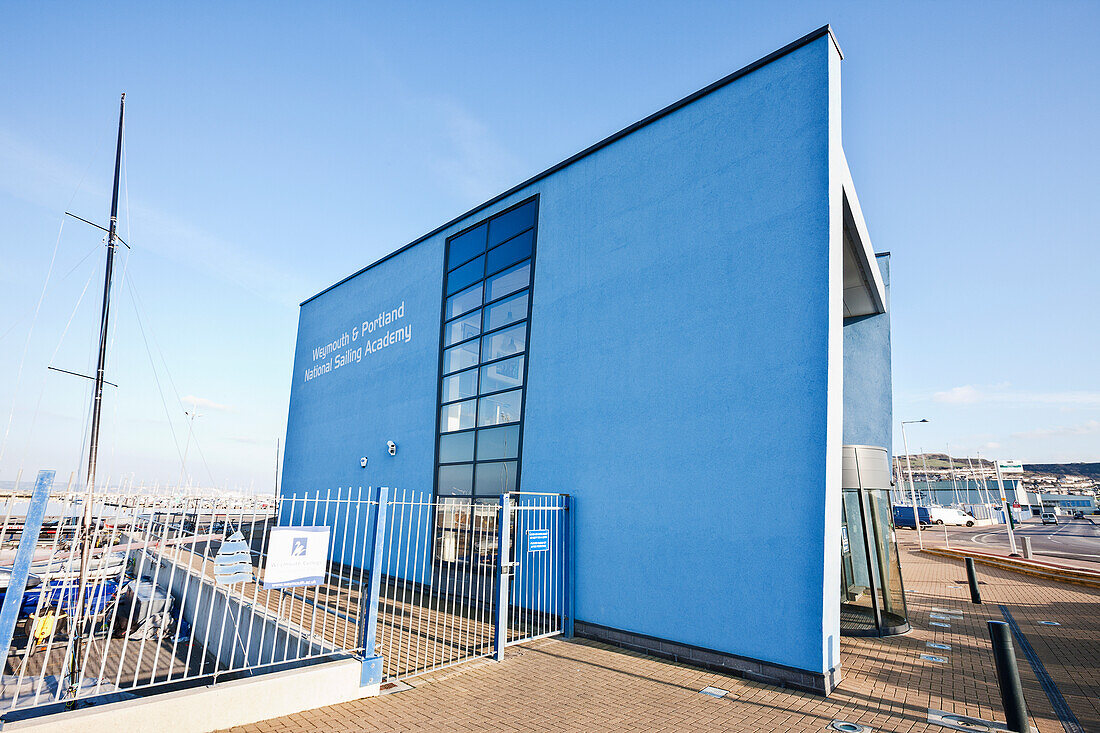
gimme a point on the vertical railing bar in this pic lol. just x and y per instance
(421, 564)
(406, 597)
(147, 528)
(479, 592)
(225, 607)
(362, 590)
(200, 585)
(346, 514)
(160, 561)
(94, 598)
(283, 593)
(264, 556)
(384, 633)
(156, 576)
(43, 594)
(447, 613)
(179, 560)
(255, 580)
(47, 592)
(437, 586)
(239, 596)
(324, 578)
(352, 605)
(118, 594)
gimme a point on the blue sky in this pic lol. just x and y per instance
(273, 148)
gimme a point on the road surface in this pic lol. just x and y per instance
(1071, 539)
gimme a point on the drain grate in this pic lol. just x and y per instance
(845, 727)
(388, 688)
(714, 691)
(954, 721)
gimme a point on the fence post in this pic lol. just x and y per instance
(1008, 677)
(567, 569)
(504, 574)
(20, 570)
(972, 579)
(372, 662)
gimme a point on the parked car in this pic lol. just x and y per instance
(1050, 518)
(1078, 515)
(951, 516)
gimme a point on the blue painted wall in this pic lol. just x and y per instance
(677, 375)
(868, 381)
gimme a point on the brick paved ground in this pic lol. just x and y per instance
(558, 685)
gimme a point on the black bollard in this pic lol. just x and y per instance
(1008, 677)
(972, 578)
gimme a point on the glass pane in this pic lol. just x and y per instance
(495, 478)
(466, 275)
(458, 416)
(506, 311)
(509, 225)
(463, 247)
(457, 447)
(500, 408)
(460, 357)
(455, 480)
(461, 329)
(464, 301)
(459, 386)
(502, 375)
(510, 252)
(498, 443)
(504, 343)
(508, 281)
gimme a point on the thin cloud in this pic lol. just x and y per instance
(1001, 395)
(1089, 427)
(204, 403)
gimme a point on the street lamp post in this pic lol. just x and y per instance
(912, 491)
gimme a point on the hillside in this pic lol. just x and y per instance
(1091, 470)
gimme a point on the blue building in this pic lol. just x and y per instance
(675, 327)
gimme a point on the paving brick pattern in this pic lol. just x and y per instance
(560, 685)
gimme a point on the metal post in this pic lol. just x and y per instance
(972, 579)
(504, 573)
(1008, 677)
(912, 491)
(32, 524)
(567, 565)
(1027, 548)
(372, 663)
(1007, 509)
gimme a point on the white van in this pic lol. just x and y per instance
(952, 516)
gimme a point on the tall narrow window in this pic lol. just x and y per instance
(488, 270)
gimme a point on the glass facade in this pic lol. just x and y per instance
(483, 365)
(872, 598)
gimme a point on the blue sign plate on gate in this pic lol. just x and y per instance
(538, 540)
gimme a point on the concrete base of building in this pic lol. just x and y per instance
(214, 707)
(753, 669)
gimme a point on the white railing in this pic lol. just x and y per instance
(154, 611)
(455, 579)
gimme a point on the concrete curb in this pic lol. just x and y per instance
(1037, 570)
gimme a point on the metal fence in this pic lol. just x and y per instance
(421, 582)
(459, 573)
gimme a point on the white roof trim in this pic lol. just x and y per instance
(862, 249)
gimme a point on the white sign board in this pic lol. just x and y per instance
(296, 556)
(1010, 466)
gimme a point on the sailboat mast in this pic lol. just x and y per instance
(78, 617)
(97, 404)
